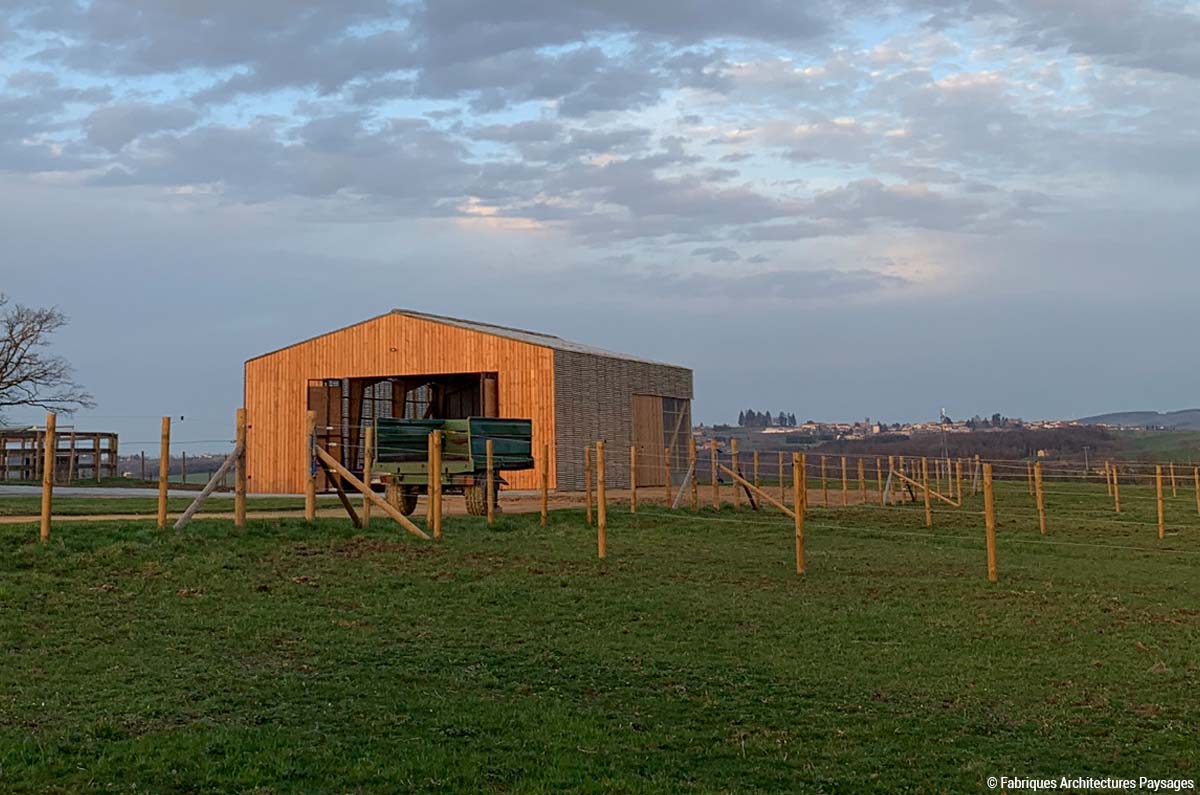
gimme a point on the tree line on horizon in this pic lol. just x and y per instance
(750, 418)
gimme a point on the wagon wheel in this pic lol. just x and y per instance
(402, 498)
(476, 497)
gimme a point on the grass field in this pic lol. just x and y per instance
(1161, 445)
(295, 659)
(96, 506)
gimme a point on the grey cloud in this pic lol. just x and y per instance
(975, 146)
(717, 253)
(582, 80)
(29, 80)
(454, 27)
(370, 92)
(916, 171)
(521, 132)
(777, 285)
(1150, 34)
(405, 163)
(114, 126)
(803, 285)
(634, 201)
(135, 37)
(816, 137)
(326, 66)
(1143, 33)
(791, 231)
(870, 199)
(31, 113)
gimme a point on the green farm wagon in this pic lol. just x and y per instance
(401, 459)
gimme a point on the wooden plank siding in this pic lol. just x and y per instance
(276, 386)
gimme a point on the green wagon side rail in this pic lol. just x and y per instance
(402, 445)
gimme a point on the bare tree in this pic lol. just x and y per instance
(28, 375)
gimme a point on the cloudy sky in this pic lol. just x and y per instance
(840, 208)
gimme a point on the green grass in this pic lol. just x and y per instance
(95, 506)
(295, 659)
(1160, 445)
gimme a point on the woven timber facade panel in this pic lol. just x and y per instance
(593, 399)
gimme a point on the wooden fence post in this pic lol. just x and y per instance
(824, 485)
(1108, 477)
(862, 482)
(587, 478)
(737, 493)
(692, 467)
(989, 509)
(490, 487)
(1174, 487)
(798, 485)
(633, 478)
(958, 478)
(670, 487)
(368, 454)
(239, 487)
(1116, 488)
(879, 478)
(782, 484)
(1196, 476)
(601, 506)
(845, 486)
(1158, 485)
(757, 483)
(716, 481)
(925, 486)
(183, 466)
(70, 460)
(891, 469)
(164, 470)
(51, 449)
(1040, 495)
(435, 482)
(310, 473)
(545, 483)
(1029, 477)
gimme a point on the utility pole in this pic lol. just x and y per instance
(945, 451)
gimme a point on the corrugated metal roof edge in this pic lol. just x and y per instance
(533, 338)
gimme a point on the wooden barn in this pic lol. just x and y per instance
(410, 364)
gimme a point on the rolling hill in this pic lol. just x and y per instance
(1187, 419)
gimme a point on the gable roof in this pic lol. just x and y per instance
(531, 337)
(509, 332)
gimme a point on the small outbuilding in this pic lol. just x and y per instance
(416, 365)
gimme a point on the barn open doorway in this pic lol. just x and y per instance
(344, 406)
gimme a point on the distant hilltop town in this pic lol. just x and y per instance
(765, 423)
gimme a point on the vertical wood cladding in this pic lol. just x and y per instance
(593, 399)
(276, 386)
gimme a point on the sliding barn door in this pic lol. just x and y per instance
(649, 439)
